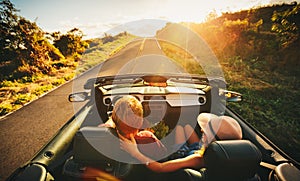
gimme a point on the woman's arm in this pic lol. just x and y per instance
(192, 161)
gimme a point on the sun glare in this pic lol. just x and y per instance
(198, 10)
(189, 11)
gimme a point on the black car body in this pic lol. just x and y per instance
(169, 98)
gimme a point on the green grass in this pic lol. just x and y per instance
(269, 101)
(180, 57)
(15, 94)
(269, 97)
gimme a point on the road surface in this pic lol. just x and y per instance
(25, 131)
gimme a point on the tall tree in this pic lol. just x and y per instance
(24, 48)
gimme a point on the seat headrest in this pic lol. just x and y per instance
(91, 145)
(231, 160)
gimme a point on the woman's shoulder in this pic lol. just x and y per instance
(145, 136)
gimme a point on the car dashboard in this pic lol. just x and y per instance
(168, 98)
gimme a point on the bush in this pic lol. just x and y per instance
(5, 108)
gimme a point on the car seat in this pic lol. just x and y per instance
(232, 160)
(96, 147)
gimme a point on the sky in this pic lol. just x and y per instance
(96, 17)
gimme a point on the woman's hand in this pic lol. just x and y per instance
(129, 146)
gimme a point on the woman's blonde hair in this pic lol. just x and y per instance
(128, 114)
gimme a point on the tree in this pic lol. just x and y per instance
(36, 54)
(9, 39)
(212, 16)
(287, 24)
(70, 43)
(24, 49)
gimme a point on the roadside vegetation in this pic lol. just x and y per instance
(102, 48)
(182, 58)
(259, 53)
(33, 62)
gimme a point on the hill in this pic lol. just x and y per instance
(269, 33)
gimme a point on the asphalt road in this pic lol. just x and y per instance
(143, 56)
(25, 131)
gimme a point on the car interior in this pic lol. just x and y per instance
(234, 159)
(226, 160)
(246, 159)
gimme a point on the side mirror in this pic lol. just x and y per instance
(78, 97)
(231, 96)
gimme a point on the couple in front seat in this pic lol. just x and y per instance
(127, 118)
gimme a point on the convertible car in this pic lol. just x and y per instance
(81, 150)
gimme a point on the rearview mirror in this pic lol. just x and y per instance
(78, 97)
